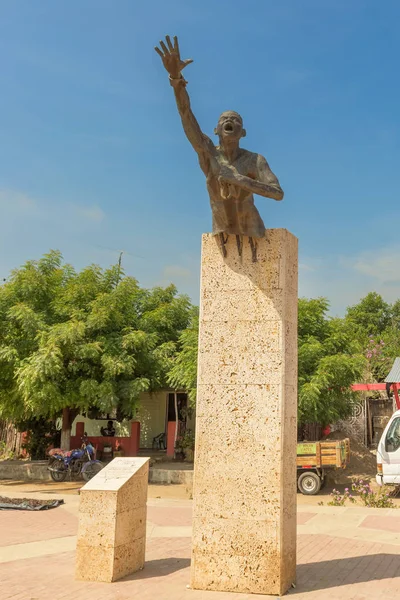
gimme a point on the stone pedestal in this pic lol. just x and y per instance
(112, 521)
(244, 528)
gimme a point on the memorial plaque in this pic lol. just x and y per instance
(112, 521)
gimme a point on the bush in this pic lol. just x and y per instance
(187, 440)
(41, 433)
(379, 499)
(6, 454)
(339, 499)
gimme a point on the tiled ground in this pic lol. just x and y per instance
(347, 554)
(19, 527)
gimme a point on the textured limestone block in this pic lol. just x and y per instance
(244, 528)
(112, 521)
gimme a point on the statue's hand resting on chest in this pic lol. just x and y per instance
(228, 174)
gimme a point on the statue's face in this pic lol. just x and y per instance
(230, 125)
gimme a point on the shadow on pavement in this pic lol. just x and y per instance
(346, 571)
(160, 568)
(42, 487)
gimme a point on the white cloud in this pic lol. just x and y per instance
(19, 205)
(17, 202)
(306, 267)
(176, 272)
(344, 280)
(92, 213)
(185, 276)
(381, 265)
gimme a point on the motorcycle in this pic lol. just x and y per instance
(73, 463)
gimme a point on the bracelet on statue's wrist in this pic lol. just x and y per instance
(174, 81)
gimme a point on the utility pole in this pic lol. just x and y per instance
(119, 266)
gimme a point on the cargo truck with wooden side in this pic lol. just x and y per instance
(314, 458)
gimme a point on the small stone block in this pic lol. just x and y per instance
(112, 521)
(129, 558)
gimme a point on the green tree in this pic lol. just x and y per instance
(71, 341)
(330, 361)
(376, 326)
(371, 316)
(396, 316)
(183, 372)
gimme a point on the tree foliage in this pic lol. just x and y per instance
(183, 373)
(376, 326)
(84, 339)
(371, 316)
(95, 339)
(41, 433)
(334, 353)
(330, 361)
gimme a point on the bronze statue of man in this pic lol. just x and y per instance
(233, 174)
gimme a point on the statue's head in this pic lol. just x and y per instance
(230, 125)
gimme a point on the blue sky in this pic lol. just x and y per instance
(93, 159)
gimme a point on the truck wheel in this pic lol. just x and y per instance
(309, 483)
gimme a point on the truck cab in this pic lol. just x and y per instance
(388, 453)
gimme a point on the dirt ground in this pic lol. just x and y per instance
(178, 492)
(362, 466)
(8, 487)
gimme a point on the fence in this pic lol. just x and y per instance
(10, 439)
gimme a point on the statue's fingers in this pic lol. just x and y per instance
(176, 45)
(187, 62)
(158, 51)
(170, 46)
(164, 47)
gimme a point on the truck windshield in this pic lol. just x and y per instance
(392, 442)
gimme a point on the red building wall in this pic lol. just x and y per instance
(129, 445)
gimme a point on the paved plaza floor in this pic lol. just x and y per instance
(343, 553)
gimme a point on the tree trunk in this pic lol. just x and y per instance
(176, 420)
(66, 430)
(68, 416)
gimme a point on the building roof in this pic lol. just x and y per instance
(394, 375)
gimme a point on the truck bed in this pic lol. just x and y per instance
(321, 455)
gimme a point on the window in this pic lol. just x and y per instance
(392, 442)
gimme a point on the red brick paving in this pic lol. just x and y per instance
(180, 516)
(328, 567)
(349, 569)
(383, 523)
(20, 527)
(303, 517)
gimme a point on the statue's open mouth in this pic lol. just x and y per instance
(228, 127)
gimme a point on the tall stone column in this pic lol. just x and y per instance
(244, 528)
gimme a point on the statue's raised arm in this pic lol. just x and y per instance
(174, 65)
(233, 174)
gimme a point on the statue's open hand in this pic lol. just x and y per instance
(171, 57)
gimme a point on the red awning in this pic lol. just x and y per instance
(368, 387)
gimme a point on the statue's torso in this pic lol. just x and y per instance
(233, 215)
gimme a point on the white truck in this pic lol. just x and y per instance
(388, 453)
